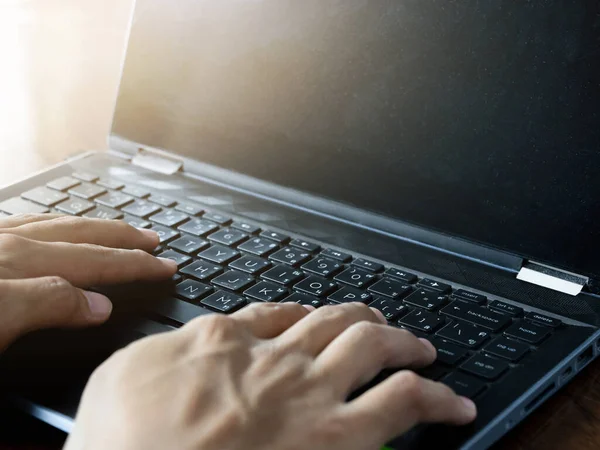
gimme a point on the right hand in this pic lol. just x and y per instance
(271, 376)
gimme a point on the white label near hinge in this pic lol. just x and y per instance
(157, 163)
(551, 278)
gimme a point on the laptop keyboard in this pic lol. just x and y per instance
(225, 264)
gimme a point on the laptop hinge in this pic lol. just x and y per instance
(552, 278)
(157, 162)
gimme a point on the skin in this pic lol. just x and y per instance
(270, 376)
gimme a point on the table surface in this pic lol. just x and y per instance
(63, 59)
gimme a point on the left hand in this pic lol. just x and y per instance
(46, 259)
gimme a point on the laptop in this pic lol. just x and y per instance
(435, 160)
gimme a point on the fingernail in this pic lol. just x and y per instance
(169, 263)
(309, 307)
(151, 234)
(469, 408)
(429, 346)
(99, 305)
(380, 315)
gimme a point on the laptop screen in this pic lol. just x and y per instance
(477, 119)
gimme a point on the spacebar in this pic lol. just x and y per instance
(177, 310)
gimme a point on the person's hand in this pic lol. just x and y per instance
(46, 259)
(269, 377)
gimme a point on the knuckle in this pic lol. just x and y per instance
(55, 283)
(10, 243)
(216, 327)
(411, 386)
(330, 431)
(372, 333)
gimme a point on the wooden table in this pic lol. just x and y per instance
(59, 77)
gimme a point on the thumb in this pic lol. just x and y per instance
(32, 304)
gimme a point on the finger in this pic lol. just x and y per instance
(79, 230)
(22, 219)
(404, 400)
(268, 320)
(81, 264)
(33, 304)
(364, 349)
(321, 327)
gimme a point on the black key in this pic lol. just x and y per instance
(224, 301)
(314, 285)
(75, 206)
(87, 191)
(304, 299)
(543, 320)
(391, 309)
(114, 200)
(198, 227)
(250, 264)
(162, 200)
(201, 270)
(110, 184)
(448, 353)
(322, 266)
(401, 275)
(141, 208)
(478, 315)
(178, 311)
(290, 256)
(305, 245)
(470, 296)
(192, 290)
(463, 384)
(465, 334)
(507, 349)
(63, 183)
(189, 208)
(165, 234)
(426, 299)
(434, 372)
(136, 191)
(435, 285)
(266, 292)
(137, 222)
(169, 218)
(246, 227)
(228, 236)
(391, 288)
(17, 205)
(189, 245)
(258, 246)
(179, 258)
(85, 176)
(423, 321)
(219, 254)
(233, 280)
(511, 310)
(275, 236)
(371, 266)
(334, 254)
(528, 332)
(350, 295)
(485, 367)
(100, 212)
(45, 196)
(284, 275)
(216, 217)
(355, 277)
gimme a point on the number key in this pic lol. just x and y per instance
(322, 266)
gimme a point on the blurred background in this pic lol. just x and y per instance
(59, 75)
